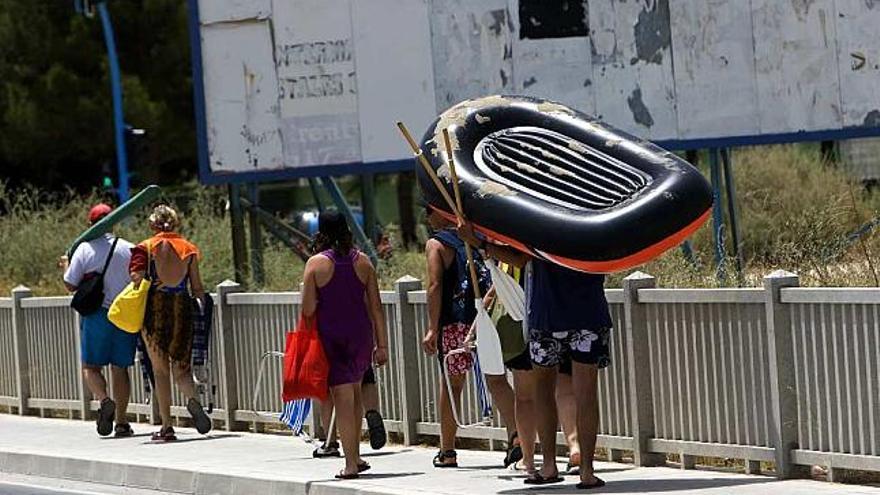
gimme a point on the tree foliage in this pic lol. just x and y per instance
(56, 120)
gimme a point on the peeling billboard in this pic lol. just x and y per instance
(293, 88)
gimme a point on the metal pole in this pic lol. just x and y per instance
(256, 233)
(730, 191)
(368, 205)
(313, 184)
(687, 249)
(717, 213)
(239, 245)
(116, 90)
(339, 200)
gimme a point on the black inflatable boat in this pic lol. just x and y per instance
(558, 184)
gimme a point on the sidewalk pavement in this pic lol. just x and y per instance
(246, 463)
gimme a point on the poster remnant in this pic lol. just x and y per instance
(306, 87)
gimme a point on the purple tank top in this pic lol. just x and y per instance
(344, 323)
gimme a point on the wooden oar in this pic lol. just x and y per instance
(427, 166)
(450, 162)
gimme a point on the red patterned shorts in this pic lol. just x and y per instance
(451, 338)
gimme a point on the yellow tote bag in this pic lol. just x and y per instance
(127, 310)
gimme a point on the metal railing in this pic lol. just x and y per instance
(778, 374)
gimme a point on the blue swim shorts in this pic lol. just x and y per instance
(102, 343)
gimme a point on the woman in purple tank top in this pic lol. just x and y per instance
(340, 285)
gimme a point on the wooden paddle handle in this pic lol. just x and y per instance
(428, 169)
(450, 162)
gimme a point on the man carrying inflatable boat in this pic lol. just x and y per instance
(567, 198)
(568, 317)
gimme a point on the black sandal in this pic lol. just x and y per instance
(376, 427)
(440, 459)
(165, 435)
(598, 484)
(326, 449)
(106, 415)
(342, 476)
(539, 479)
(123, 430)
(199, 417)
(514, 451)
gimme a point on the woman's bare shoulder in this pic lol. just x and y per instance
(363, 266)
(319, 262)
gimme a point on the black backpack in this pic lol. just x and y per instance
(89, 296)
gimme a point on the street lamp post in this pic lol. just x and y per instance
(83, 6)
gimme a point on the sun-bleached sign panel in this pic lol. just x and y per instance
(293, 88)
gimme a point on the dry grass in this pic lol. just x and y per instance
(795, 213)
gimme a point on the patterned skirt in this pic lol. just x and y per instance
(168, 324)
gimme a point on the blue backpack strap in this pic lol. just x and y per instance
(449, 238)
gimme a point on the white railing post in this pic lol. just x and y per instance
(19, 336)
(407, 359)
(85, 406)
(227, 365)
(783, 390)
(639, 372)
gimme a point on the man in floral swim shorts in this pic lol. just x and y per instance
(451, 311)
(567, 317)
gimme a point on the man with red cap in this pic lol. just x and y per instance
(102, 343)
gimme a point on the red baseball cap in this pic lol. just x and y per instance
(98, 212)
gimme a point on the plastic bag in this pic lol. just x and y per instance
(305, 365)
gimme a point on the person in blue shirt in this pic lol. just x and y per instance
(568, 318)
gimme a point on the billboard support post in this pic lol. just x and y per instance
(316, 192)
(342, 205)
(368, 205)
(256, 235)
(239, 244)
(717, 213)
(730, 192)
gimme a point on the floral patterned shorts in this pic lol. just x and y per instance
(582, 346)
(452, 338)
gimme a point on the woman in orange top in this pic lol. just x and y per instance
(171, 263)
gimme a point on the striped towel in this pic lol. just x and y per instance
(294, 414)
(203, 319)
(482, 391)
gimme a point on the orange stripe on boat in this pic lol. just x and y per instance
(608, 266)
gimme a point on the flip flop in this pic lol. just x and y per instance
(342, 476)
(514, 451)
(200, 418)
(538, 479)
(376, 427)
(363, 466)
(598, 484)
(106, 415)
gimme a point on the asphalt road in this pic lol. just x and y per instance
(14, 489)
(19, 484)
